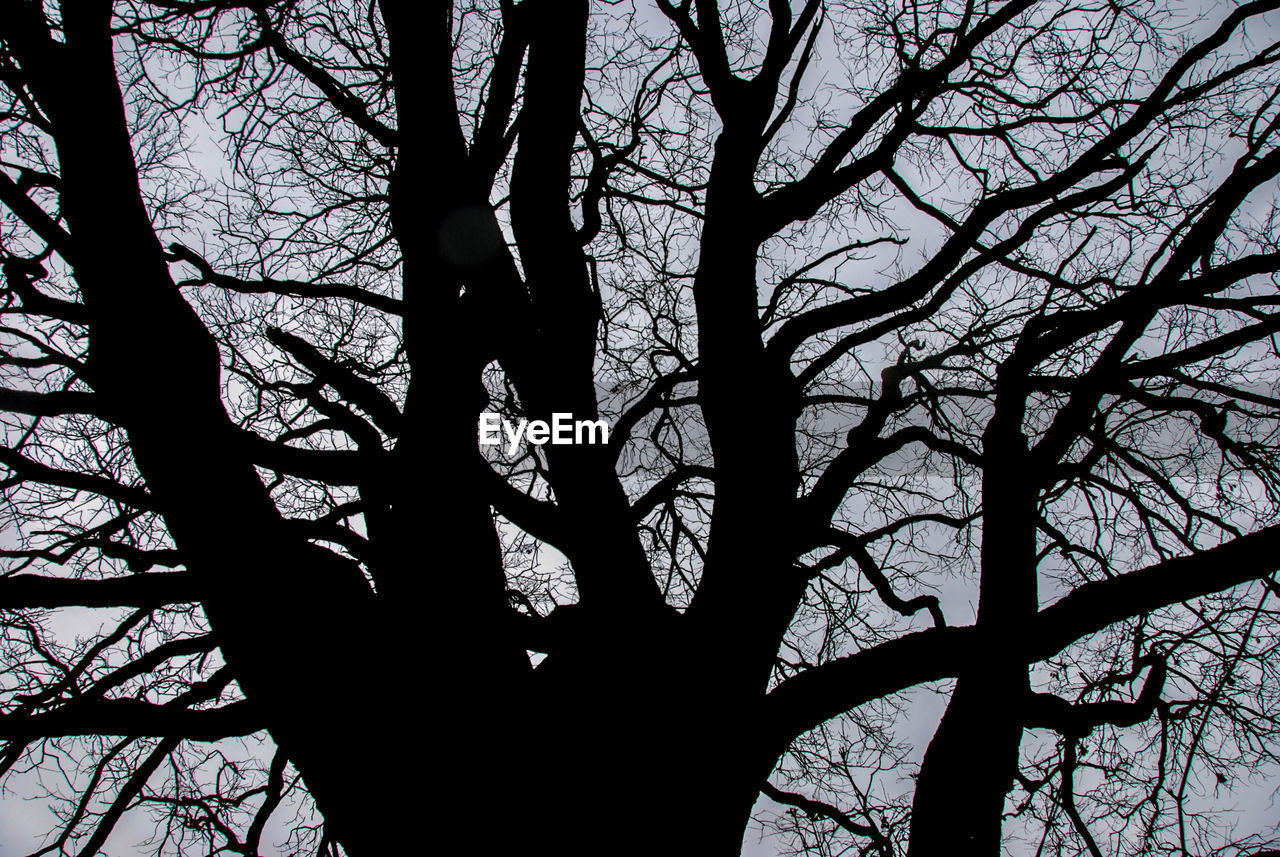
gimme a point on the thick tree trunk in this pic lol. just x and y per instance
(297, 624)
(630, 745)
(972, 759)
(646, 763)
(967, 771)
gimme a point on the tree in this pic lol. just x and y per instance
(937, 345)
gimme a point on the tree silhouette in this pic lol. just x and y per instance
(937, 344)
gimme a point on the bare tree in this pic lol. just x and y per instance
(937, 344)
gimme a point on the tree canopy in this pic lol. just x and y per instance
(937, 346)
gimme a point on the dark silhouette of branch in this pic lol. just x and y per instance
(22, 591)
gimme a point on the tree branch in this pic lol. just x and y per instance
(269, 286)
(826, 810)
(820, 693)
(130, 717)
(22, 591)
(1047, 711)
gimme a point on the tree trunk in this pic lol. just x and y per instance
(642, 750)
(972, 759)
(967, 771)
